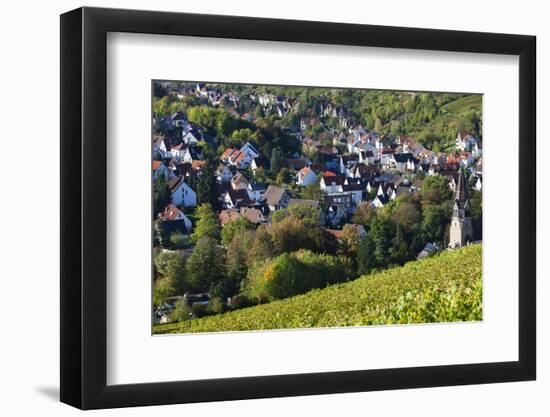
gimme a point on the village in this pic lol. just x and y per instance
(328, 163)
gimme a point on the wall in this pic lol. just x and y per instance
(30, 71)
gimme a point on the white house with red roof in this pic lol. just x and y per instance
(237, 158)
(182, 193)
(181, 153)
(331, 183)
(174, 218)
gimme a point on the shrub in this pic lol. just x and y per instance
(296, 273)
(199, 310)
(182, 311)
(216, 306)
(178, 240)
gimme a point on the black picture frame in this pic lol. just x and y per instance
(84, 207)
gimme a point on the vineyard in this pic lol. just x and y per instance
(444, 288)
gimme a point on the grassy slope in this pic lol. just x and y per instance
(443, 288)
(464, 105)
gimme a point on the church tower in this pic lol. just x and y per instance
(461, 224)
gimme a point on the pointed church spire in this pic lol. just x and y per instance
(460, 193)
(461, 230)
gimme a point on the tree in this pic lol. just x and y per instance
(207, 191)
(178, 240)
(296, 273)
(170, 269)
(277, 160)
(366, 261)
(475, 201)
(262, 247)
(378, 125)
(364, 215)
(182, 311)
(435, 190)
(207, 223)
(234, 228)
(395, 127)
(161, 195)
(205, 265)
(434, 222)
(350, 239)
(283, 176)
(381, 232)
(237, 258)
(312, 192)
(311, 216)
(399, 253)
(162, 289)
(292, 234)
(407, 212)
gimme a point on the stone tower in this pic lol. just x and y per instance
(461, 224)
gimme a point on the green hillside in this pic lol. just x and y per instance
(443, 288)
(464, 104)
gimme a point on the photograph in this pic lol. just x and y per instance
(287, 207)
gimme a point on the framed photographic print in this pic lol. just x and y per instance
(256, 208)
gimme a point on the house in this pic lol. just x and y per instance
(331, 183)
(174, 220)
(160, 169)
(190, 137)
(404, 162)
(387, 157)
(347, 161)
(338, 206)
(159, 147)
(385, 188)
(380, 200)
(228, 215)
(181, 153)
(237, 158)
(276, 198)
(355, 190)
(443, 169)
(179, 119)
(362, 171)
(239, 181)
(259, 162)
(224, 174)
(182, 194)
(253, 215)
(306, 177)
(256, 191)
(250, 150)
(235, 198)
(465, 141)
